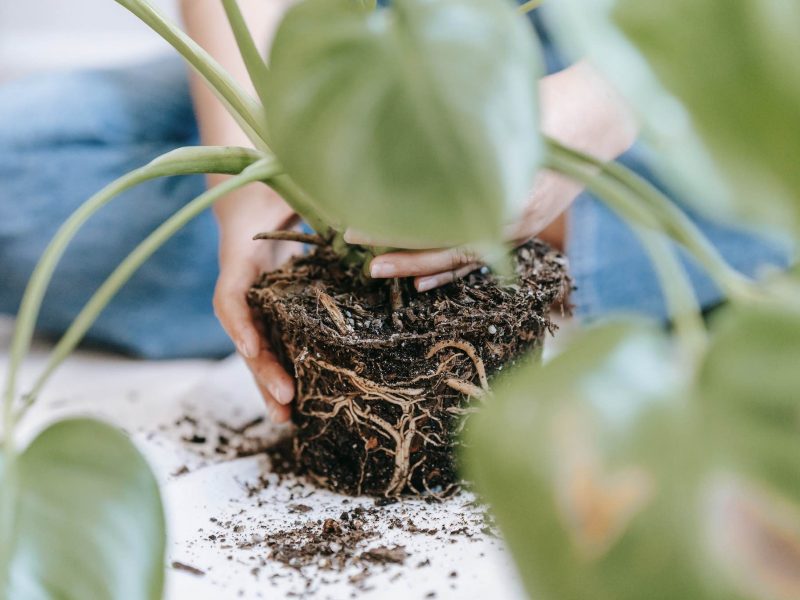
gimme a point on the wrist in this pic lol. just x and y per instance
(250, 210)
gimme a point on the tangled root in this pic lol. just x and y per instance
(382, 393)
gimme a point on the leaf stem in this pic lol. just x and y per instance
(183, 161)
(8, 499)
(248, 113)
(300, 201)
(291, 236)
(262, 170)
(678, 294)
(675, 285)
(529, 6)
(665, 215)
(253, 61)
(395, 294)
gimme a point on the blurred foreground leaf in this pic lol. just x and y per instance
(734, 66)
(415, 123)
(610, 484)
(88, 518)
(588, 463)
(587, 30)
(750, 386)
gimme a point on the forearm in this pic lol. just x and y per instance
(205, 21)
(249, 210)
(580, 109)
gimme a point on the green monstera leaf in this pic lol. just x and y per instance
(416, 124)
(609, 484)
(748, 391)
(733, 65)
(749, 385)
(87, 518)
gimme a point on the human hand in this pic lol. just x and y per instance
(248, 211)
(580, 110)
(241, 260)
(431, 268)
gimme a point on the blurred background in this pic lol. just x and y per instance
(40, 35)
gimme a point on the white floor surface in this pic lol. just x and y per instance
(170, 407)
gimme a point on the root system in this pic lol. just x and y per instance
(384, 387)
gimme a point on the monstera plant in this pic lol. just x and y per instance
(637, 462)
(81, 515)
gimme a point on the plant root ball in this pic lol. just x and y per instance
(383, 394)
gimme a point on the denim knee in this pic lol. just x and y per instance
(62, 138)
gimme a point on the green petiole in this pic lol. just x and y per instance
(677, 289)
(529, 6)
(659, 211)
(248, 113)
(183, 161)
(263, 170)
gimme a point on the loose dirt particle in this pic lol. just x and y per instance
(384, 555)
(179, 566)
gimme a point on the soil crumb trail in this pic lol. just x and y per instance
(288, 533)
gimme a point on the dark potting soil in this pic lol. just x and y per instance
(382, 393)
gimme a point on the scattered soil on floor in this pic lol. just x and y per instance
(277, 533)
(179, 566)
(349, 545)
(212, 440)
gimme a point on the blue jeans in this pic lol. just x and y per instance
(613, 274)
(64, 136)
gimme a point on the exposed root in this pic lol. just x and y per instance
(336, 315)
(401, 434)
(385, 384)
(470, 351)
(287, 235)
(365, 385)
(465, 387)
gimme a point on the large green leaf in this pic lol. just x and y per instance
(415, 123)
(586, 29)
(750, 388)
(610, 481)
(88, 521)
(589, 464)
(733, 64)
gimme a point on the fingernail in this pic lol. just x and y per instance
(382, 269)
(426, 283)
(276, 393)
(247, 348)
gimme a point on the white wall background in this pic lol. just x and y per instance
(38, 35)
